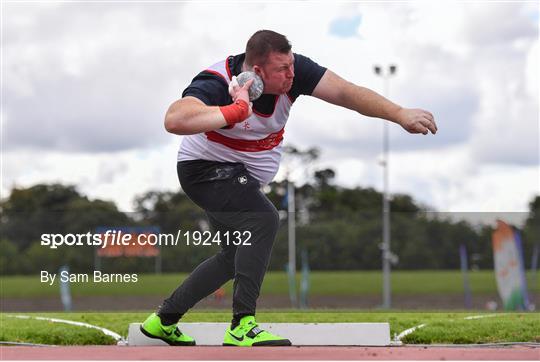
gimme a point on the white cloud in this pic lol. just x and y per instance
(86, 86)
(118, 177)
(532, 75)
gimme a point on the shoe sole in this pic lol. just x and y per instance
(276, 343)
(170, 343)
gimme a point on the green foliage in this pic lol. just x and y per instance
(29, 213)
(8, 258)
(174, 212)
(340, 229)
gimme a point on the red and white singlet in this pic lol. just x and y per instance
(256, 142)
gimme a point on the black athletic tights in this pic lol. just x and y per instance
(233, 202)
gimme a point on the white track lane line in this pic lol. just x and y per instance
(105, 331)
(409, 331)
(482, 316)
(413, 329)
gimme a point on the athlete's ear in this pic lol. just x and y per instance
(258, 70)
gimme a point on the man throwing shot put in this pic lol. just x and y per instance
(232, 147)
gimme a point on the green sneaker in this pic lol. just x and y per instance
(153, 328)
(247, 333)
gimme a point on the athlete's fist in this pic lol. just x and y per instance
(417, 121)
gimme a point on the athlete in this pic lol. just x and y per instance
(231, 147)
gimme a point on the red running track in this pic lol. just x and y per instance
(269, 353)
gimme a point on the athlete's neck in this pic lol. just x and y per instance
(246, 67)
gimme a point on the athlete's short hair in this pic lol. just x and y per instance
(262, 43)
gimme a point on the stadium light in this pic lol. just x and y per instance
(385, 247)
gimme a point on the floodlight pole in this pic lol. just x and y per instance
(386, 253)
(291, 218)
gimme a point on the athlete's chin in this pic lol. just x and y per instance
(278, 91)
(286, 88)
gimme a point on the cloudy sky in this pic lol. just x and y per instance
(85, 87)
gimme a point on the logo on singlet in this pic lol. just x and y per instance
(242, 180)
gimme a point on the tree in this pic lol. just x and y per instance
(28, 213)
(175, 213)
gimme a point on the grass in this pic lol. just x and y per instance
(441, 327)
(321, 283)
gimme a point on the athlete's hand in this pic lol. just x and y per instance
(417, 121)
(242, 93)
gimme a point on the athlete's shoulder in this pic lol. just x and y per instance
(226, 68)
(211, 84)
(307, 74)
(302, 60)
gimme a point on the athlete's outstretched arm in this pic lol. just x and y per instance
(336, 90)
